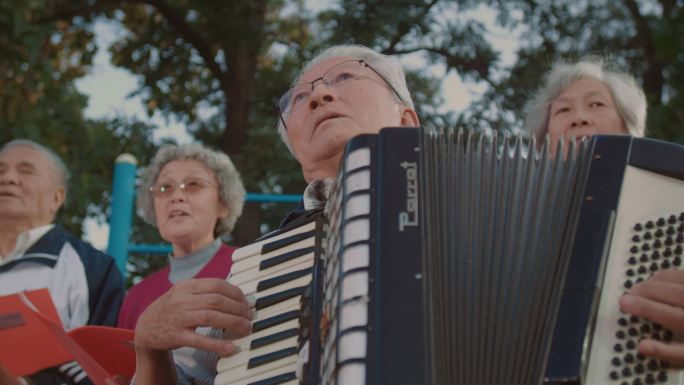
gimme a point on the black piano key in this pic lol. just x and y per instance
(280, 379)
(279, 280)
(267, 340)
(275, 245)
(270, 357)
(275, 320)
(279, 297)
(282, 258)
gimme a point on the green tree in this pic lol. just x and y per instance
(644, 37)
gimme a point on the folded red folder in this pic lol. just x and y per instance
(33, 339)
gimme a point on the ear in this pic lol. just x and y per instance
(409, 118)
(58, 199)
(222, 211)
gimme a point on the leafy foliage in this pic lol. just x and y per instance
(218, 67)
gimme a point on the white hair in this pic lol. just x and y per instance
(63, 174)
(628, 95)
(387, 66)
(231, 190)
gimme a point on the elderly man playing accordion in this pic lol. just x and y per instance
(343, 92)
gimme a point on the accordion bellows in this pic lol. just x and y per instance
(497, 221)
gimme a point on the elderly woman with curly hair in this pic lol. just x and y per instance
(584, 99)
(194, 196)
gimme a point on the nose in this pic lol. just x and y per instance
(9, 177)
(320, 95)
(177, 195)
(579, 119)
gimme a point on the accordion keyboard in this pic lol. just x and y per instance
(274, 274)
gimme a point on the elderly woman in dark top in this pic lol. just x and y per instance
(194, 196)
(585, 99)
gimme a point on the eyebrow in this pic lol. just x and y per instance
(23, 164)
(589, 94)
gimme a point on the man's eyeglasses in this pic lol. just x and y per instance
(187, 186)
(336, 77)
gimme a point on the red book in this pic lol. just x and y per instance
(33, 339)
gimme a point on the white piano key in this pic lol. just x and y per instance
(244, 342)
(283, 307)
(251, 286)
(357, 205)
(243, 357)
(255, 248)
(355, 257)
(353, 314)
(256, 274)
(357, 158)
(263, 376)
(242, 373)
(299, 282)
(356, 230)
(352, 345)
(354, 284)
(251, 263)
(352, 374)
(358, 181)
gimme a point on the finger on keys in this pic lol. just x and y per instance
(198, 341)
(672, 353)
(669, 275)
(661, 291)
(214, 285)
(236, 324)
(666, 315)
(220, 303)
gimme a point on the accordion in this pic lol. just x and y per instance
(449, 258)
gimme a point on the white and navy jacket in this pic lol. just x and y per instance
(84, 283)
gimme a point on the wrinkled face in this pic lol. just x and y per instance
(328, 117)
(30, 190)
(584, 109)
(189, 216)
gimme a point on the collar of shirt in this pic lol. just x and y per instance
(24, 241)
(189, 265)
(317, 193)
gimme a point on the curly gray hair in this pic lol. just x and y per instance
(388, 67)
(629, 97)
(231, 190)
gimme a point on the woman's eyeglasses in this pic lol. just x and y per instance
(187, 186)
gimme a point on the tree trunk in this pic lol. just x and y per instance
(239, 91)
